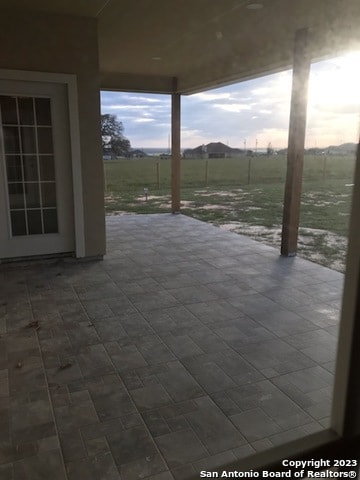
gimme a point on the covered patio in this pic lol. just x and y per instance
(187, 348)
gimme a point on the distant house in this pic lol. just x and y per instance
(137, 154)
(213, 150)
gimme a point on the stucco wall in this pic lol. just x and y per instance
(62, 44)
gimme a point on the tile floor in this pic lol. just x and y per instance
(186, 348)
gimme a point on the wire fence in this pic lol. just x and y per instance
(155, 173)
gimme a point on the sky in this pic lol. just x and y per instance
(248, 114)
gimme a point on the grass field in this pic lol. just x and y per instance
(244, 195)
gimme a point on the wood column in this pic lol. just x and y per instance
(175, 151)
(295, 155)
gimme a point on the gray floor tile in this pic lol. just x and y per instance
(181, 345)
(208, 374)
(179, 384)
(150, 397)
(111, 401)
(126, 358)
(101, 467)
(179, 448)
(255, 424)
(149, 344)
(42, 467)
(71, 417)
(131, 445)
(161, 476)
(72, 446)
(215, 461)
(215, 431)
(276, 354)
(154, 358)
(6, 472)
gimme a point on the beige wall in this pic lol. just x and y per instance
(61, 44)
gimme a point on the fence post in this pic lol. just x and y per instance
(324, 167)
(206, 172)
(158, 175)
(249, 170)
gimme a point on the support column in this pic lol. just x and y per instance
(295, 155)
(175, 151)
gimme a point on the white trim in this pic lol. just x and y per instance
(74, 128)
(79, 224)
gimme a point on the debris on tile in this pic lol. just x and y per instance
(33, 324)
(64, 366)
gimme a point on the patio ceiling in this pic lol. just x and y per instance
(144, 45)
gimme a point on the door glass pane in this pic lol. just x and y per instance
(26, 111)
(47, 167)
(30, 168)
(16, 195)
(43, 111)
(50, 220)
(48, 194)
(18, 222)
(13, 166)
(30, 164)
(11, 139)
(32, 195)
(28, 143)
(34, 222)
(8, 110)
(45, 142)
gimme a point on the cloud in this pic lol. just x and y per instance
(144, 120)
(206, 96)
(252, 110)
(232, 107)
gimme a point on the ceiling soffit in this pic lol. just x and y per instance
(144, 44)
(213, 43)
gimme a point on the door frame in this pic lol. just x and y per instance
(70, 81)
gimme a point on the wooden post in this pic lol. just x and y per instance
(295, 155)
(206, 172)
(175, 151)
(105, 178)
(249, 171)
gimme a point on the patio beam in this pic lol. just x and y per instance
(296, 142)
(175, 149)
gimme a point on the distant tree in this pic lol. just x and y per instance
(114, 142)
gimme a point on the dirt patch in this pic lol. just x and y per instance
(151, 197)
(120, 212)
(308, 243)
(216, 194)
(215, 207)
(109, 199)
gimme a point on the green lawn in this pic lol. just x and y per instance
(246, 193)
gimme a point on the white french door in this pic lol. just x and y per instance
(36, 193)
